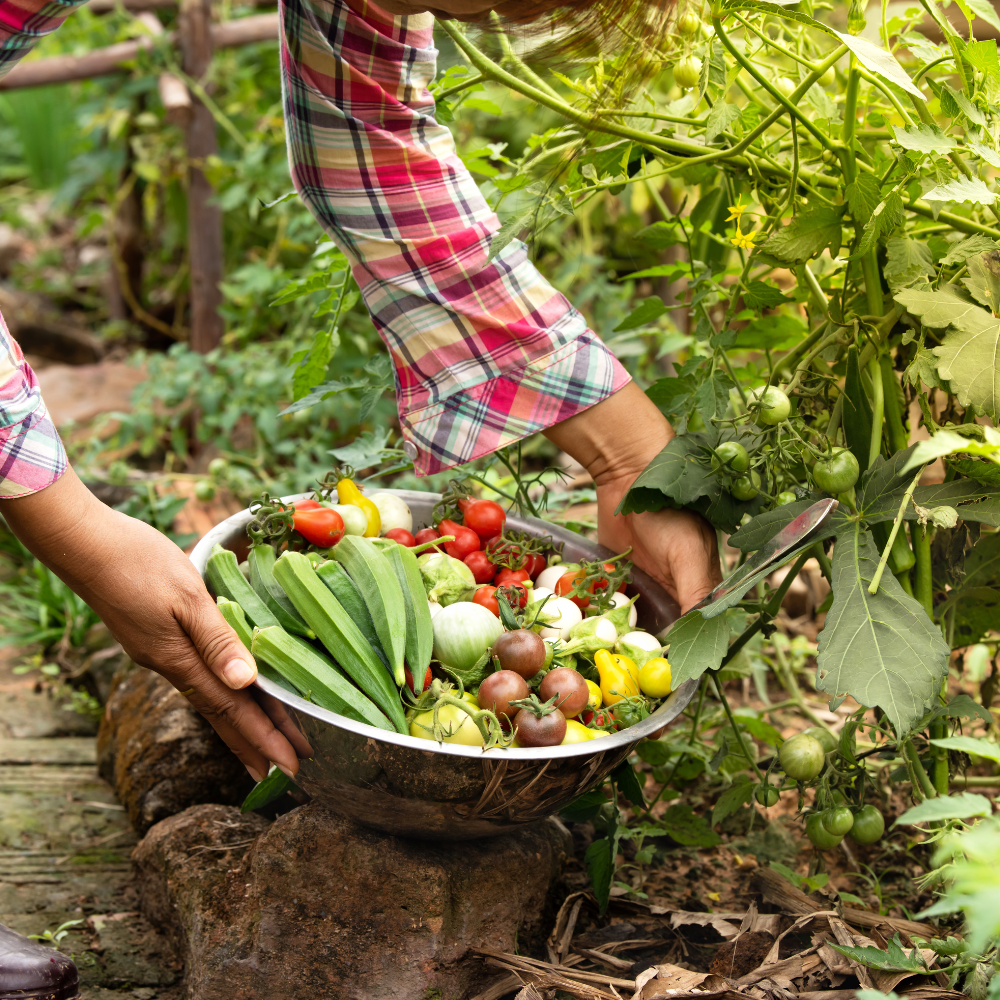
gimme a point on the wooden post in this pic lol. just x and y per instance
(204, 219)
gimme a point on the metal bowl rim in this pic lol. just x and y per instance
(667, 712)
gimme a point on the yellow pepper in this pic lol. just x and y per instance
(619, 676)
(348, 493)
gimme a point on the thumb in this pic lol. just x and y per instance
(217, 644)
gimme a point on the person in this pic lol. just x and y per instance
(485, 353)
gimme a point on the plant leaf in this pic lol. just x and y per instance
(907, 261)
(506, 233)
(876, 60)
(880, 648)
(939, 307)
(964, 805)
(696, 644)
(264, 792)
(648, 311)
(761, 295)
(732, 799)
(628, 783)
(969, 745)
(808, 234)
(971, 246)
(893, 959)
(683, 826)
(963, 189)
(601, 869)
(984, 279)
(969, 359)
(923, 138)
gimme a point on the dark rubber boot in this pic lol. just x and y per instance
(30, 971)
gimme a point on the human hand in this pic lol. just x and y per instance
(151, 598)
(615, 440)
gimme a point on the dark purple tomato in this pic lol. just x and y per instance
(569, 689)
(498, 690)
(532, 731)
(522, 651)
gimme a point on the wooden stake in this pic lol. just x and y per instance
(204, 218)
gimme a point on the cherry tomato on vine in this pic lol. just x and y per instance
(827, 741)
(767, 796)
(785, 86)
(818, 834)
(307, 504)
(466, 540)
(688, 23)
(506, 576)
(566, 583)
(485, 518)
(786, 497)
(534, 564)
(319, 526)
(402, 536)
(732, 455)
(486, 597)
(654, 677)
(869, 825)
(838, 473)
(746, 487)
(774, 405)
(482, 569)
(515, 592)
(687, 72)
(802, 757)
(837, 821)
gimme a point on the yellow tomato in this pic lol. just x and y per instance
(454, 721)
(619, 676)
(654, 677)
(598, 733)
(577, 732)
(595, 699)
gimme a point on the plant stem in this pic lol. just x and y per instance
(680, 757)
(736, 728)
(917, 771)
(791, 685)
(873, 586)
(893, 412)
(923, 583)
(824, 562)
(878, 408)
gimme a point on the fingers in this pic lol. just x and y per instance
(695, 562)
(278, 715)
(217, 644)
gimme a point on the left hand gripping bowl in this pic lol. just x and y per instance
(417, 788)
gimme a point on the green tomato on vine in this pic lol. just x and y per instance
(819, 836)
(838, 473)
(731, 455)
(802, 757)
(786, 497)
(868, 826)
(746, 487)
(837, 821)
(687, 72)
(773, 406)
(688, 23)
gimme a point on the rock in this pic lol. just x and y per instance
(44, 331)
(78, 392)
(314, 906)
(160, 755)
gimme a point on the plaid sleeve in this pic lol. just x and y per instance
(31, 454)
(484, 353)
(24, 22)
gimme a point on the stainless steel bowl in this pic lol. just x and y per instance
(416, 788)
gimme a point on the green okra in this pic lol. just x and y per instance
(261, 560)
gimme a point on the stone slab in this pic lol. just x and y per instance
(78, 393)
(68, 750)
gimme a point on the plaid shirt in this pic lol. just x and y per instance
(484, 353)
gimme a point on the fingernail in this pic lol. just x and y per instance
(238, 674)
(255, 774)
(287, 772)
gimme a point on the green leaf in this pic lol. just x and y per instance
(507, 232)
(923, 138)
(984, 279)
(647, 312)
(312, 367)
(880, 488)
(654, 752)
(985, 10)
(601, 868)
(940, 307)
(719, 119)
(888, 216)
(893, 959)
(963, 707)
(732, 799)
(964, 805)
(683, 826)
(775, 333)
(969, 745)
(483, 104)
(264, 792)
(882, 649)
(969, 359)
(584, 808)
(963, 189)
(862, 198)
(696, 644)
(988, 153)
(672, 395)
(628, 783)
(987, 473)
(761, 295)
(971, 246)
(966, 106)
(922, 369)
(946, 442)
(759, 729)
(876, 60)
(365, 450)
(982, 55)
(907, 262)
(679, 472)
(711, 398)
(857, 413)
(660, 235)
(808, 234)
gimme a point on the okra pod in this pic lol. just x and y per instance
(227, 581)
(261, 560)
(382, 594)
(313, 674)
(233, 614)
(333, 625)
(419, 629)
(335, 577)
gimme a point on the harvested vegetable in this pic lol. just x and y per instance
(463, 633)
(393, 512)
(521, 651)
(538, 724)
(446, 580)
(568, 690)
(499, 690)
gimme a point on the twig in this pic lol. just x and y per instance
(873, 586)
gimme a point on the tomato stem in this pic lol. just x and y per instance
(876, 579)
(736, 728)
(918, 776)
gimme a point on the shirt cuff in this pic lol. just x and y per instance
(512, 405)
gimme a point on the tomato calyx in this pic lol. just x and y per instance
(595, 583)
(273, 521)
(538, 708)
(512, 549)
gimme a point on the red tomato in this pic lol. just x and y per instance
(426, 535)
(466, 540)
(307, 504)
(508, 576)
(485, 518)
(402, 536)
(465, 503)
(500, 551)
(565, 584)
(428, 677)
(319, 526)
(598, 720)
(485, 596)
(482, 569)
(535, 564)
(515, 592)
